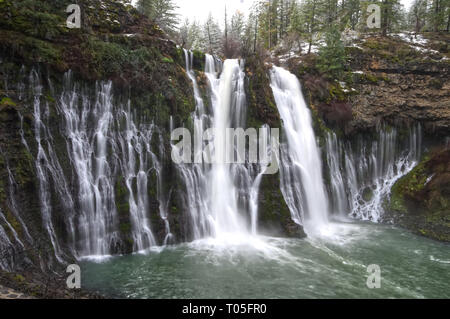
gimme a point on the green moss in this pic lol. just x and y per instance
(19, 278)
(13, 222)
(32, 50)
(436, 83)
(167, 60)
(199, 60)
(419, 201)
(261, 103)
(24, 169)
(107, 58)
(121, 197)
(376, 44)
(6, 101)
(407, 185)
(125, 228)
(336, 93)
(367, 194)
(371, 78)
(274, 215)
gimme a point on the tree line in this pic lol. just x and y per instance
(301, 23)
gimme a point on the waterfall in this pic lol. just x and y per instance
(114, 147)
(6, 259)
(44, 168)
(101, 149)
(194, 175)
(87, 130)
(301, 167)
(363, 174)
(103, 146)
(221, 197)
(12, 205)
(135, 145)
(225, 215)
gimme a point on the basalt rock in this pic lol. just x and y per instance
(420, 201)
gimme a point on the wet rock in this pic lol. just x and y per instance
(420, 200)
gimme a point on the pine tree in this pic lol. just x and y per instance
(235, 36)
(190, 35)
(212, 36)
(417, 15)
(351, 13)
(332, 56)
(439, 15)
(162, 12)
(310, 9)
(391, 15)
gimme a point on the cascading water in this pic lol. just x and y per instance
(115, 133)
(325, 267)
(109, 150)
(43, 166)
(194, 175)
(6, 260)
(87, 147)
(88, 150)
(225, 215)
(301, 168)
(363, 175)
(134, 143)
(221, 197)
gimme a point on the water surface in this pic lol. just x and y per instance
(330, 266)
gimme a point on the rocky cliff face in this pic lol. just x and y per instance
(116, 44)
(397, 83)
(120, 49)
(388, 79)
(400, 81)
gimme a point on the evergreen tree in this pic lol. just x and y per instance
(162, 12)
(391, 15)
(351, 13)
(190, 35)
(332, 56)
(417, 15)
(212, 36)
(439, 15)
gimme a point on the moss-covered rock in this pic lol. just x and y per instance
(420, 201)
(261, 102)
(274, 217)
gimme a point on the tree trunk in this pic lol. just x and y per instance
(448, 22)
(384, 18)
(436, 16)
(311, 31)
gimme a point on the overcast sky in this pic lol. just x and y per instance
(199, 9)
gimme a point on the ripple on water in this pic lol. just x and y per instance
(330, 264)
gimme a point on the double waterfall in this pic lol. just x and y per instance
(95, 168)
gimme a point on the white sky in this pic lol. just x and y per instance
(200, 9)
